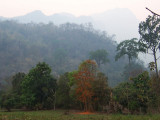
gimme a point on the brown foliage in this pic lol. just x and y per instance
(84, 79)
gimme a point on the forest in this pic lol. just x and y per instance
(70, 66)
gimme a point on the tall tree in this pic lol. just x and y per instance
(101, 91)
(65, 82)
(16, 82)
(149, 36)
(63, 97)
(100, 56)
(84, 79)
(38, 87)
(131, 48)
(142, 84)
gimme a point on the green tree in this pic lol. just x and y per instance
(65, 95)
(136, 95)
(142, 84)
(124, 93)
(11, 98)
(16, 82)
(38, 88)
(101, 91)
(150, 37)
(7, 100)
(131, 48)
(155, 98)
(17, 89)
(100, 56)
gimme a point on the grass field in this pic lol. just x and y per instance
(60, 115)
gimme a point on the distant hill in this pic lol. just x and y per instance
(35, 17)
(121, 21)
(58, 18)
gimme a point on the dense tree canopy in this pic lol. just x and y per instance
(38, 87)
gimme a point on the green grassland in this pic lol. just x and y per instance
(60, 115)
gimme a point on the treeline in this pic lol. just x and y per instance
(40, 90)
(84, 89)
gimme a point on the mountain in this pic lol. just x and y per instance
(35, 17)
(58, 18)
(120, 21)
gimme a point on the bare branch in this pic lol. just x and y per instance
(152, 12)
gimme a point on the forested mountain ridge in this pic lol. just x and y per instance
(63, 47)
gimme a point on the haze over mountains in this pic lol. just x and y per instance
(120, 21)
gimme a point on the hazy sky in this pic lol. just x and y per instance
(10, 8)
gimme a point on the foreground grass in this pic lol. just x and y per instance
(59, 115)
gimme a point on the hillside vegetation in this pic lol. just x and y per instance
(63, 47)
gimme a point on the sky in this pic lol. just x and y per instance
(11, 8)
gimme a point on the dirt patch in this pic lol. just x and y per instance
(85, 113)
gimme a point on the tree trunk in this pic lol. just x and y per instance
(155, 61)
(129, 66)
(55, 101)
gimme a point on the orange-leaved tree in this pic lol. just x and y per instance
(84, 80)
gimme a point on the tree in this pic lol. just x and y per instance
(131, 48)
(155, 89)
(65, 83)
(150, 37)
(142, 84)
(124, 94)
(17, 89)
(16, 82)
(7, 100)
(101, 91)
(63, 91)
(84, 79)
(100, 56)
(11, 99)
(91, 86)
(38, 88)
(136, 95)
